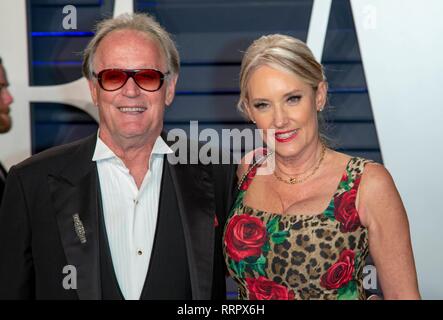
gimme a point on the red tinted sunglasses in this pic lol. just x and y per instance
(147, 79)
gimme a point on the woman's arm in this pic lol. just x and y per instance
(382, 212)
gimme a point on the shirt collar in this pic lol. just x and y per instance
(103, 152)
(161, 147)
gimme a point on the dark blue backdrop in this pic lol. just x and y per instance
(211, 36)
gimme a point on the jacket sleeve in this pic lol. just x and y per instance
(16, 262)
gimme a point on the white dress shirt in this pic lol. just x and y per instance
(130, 214)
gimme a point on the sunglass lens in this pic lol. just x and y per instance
(113, 79)
(149, 80)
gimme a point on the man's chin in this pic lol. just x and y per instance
(5, 126)
(139, 130)
(137, 135)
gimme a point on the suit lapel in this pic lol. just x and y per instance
(2, 173)
(196, 200)
(74, 193)
(2, 181)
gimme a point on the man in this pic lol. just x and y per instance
(109, 214)
(5, 120)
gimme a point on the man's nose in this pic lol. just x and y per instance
(6, 97)
(131, 89)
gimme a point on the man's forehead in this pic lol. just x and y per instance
(128, 37)
(145, 52)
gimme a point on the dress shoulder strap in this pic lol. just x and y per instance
(258, 156)
(351, 177)
(356, 167)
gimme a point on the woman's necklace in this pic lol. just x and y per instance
(295, 180)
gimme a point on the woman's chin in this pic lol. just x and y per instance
(286, 152)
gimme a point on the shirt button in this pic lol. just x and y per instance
(139, 252)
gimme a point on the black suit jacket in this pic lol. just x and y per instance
(38, 239)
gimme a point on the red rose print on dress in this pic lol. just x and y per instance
(340, 273)
(244, 237)
(265, 289)
(345, 210)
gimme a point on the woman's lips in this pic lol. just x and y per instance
(285, 136)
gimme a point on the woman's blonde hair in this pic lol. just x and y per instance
(283, 52)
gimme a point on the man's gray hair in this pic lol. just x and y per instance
(139, 22)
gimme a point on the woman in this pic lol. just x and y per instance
(305, 230)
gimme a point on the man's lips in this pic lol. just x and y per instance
(132, 109)
(5, 111)
(285, 136)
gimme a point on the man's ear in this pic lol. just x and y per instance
(321, 95)
(170, 89)
(94, 91)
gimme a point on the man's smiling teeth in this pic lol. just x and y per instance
(132, 109)
(285, 135)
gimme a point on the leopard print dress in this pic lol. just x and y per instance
(285, 257)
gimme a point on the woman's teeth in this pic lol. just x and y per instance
(285, 135)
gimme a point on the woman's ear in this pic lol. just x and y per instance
(321, 95)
